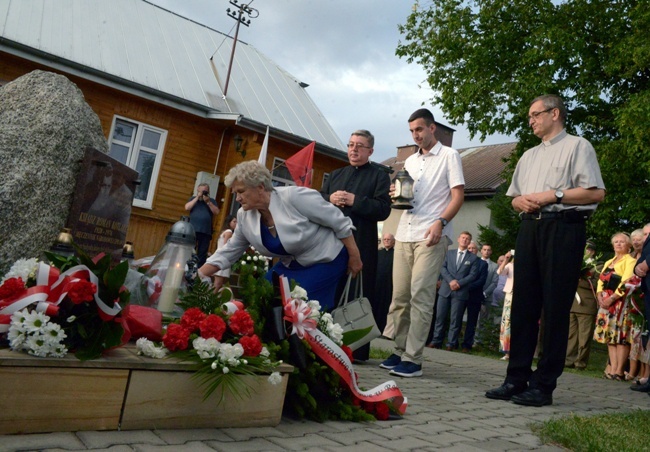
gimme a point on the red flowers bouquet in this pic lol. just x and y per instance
(222, 342)
(72, 304)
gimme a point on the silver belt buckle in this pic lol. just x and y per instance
(539, 216)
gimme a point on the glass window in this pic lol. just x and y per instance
(280, 175)
(139, 146)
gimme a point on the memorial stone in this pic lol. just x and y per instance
(45, 126)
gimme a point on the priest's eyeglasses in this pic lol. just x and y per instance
(535, 114)
(357, 146)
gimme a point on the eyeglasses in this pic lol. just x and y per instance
(357, 146)
(535, 114)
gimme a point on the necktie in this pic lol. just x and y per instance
(460, 258)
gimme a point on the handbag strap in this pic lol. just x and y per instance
(358, 291)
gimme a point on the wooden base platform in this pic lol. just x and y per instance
(123, 391)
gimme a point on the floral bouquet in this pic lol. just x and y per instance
(636, 301)
(218, 335)
(326, 386)
(252, 261)
(73, 304)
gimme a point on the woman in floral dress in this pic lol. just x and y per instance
(613, 324)
(506, 269)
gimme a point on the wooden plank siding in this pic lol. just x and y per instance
(192, 145)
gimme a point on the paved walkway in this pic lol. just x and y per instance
(447, 411)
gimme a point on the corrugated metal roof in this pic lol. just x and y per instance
(143, 47)
(483, 165)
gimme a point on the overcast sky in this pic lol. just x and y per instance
(345, 51)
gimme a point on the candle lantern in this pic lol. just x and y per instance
(127, 253)
(168, 267)
(403, 190)
(63, 244)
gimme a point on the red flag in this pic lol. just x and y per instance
(300, 165)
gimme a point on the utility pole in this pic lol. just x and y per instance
(237, 14)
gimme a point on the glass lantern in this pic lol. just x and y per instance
(63, 244)
(128, 253)
(168, 267)
(403, 190)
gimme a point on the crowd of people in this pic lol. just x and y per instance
(421, 291)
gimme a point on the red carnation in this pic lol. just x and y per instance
(192, 318)
(252, 345)
(241, 323)
(11, 288)
(212, 326)
(382, 411)
(176, 338)
(82, 291)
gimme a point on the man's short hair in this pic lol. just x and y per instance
(366, 134)
(466, 233)
(553, 101)
(424, 114)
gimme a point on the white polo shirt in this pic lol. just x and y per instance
(435, 174)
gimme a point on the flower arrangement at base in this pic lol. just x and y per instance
(324, 385)
(72, 304)
(219, 336)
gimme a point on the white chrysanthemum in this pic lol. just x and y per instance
(243, 262)
(314, 306)
(233, 362)
(265, 352)
(275, 378)
(16, 338)
(147, 348)
(22, 268)
(254, 268)
(225, 370)
(299, 293)
(53, 333)
(71, 319)
(35, 345)
(18, 320)
(230, 351)
(206, 348)
(34, 321)
(335, 332)
(248, 258)
(327, 318)
(255, 258)
(58, 351)
(214, 365)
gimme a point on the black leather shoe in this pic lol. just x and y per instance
(645, 387)
(504, 392)
(532, 397)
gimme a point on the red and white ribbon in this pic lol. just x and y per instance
(51, 288)
(332, 355)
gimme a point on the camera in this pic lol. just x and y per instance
(512, 253)
(205, 193)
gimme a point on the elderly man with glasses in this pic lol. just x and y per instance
(556, 186)
(361, 192)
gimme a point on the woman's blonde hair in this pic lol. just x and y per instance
(251, 173)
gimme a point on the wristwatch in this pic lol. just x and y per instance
(559, 195)
(443, 221)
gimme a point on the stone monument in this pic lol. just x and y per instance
(45, 126)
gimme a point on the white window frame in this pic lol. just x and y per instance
(277, 162)
(134, 151)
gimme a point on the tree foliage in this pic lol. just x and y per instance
(487, 59)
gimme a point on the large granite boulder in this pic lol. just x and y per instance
(45, 125)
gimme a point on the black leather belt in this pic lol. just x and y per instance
(567, 215)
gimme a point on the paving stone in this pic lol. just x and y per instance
(38, 441)
(352, 437)
(120, 448)
(102, 440)
(242, 434)
(303, 442)
(194, 446)
(182, 436)
(253, 445)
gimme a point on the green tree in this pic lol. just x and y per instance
(487, 59)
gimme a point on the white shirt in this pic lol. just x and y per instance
(435, 174)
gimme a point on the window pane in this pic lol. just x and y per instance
(123, 131)
(119, 152)
(282, 172)
(146, 161)
(150, 139)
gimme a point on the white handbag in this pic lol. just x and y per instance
(356, 315)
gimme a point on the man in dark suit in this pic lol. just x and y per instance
(361, 192)
(457, 273)
(485, 314)
(475, 300)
